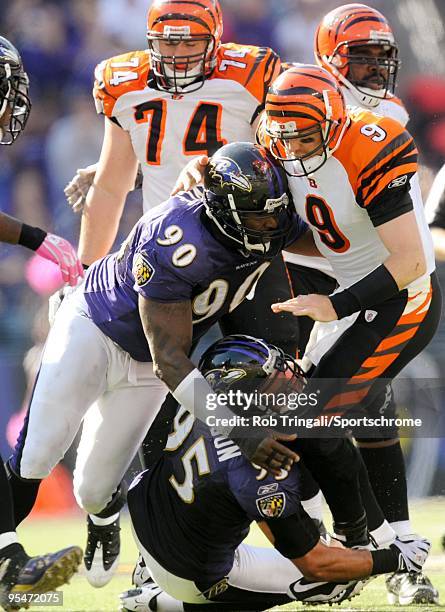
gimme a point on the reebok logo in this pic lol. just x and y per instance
(398, 182)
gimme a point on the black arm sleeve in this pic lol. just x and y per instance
(294, 535)
(391, 206)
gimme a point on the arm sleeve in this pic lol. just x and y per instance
(294, 535)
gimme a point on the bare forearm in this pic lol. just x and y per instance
(10, 229)
(100, 222)
(406, 260)
(406, 267)
(171, 366)
(336, 564)
(168, 329)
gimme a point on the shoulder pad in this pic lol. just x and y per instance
(253, 67)
(117, 76)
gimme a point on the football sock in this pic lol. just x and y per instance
(100, 522)
(386, 469)
(314, 506)
(309, 487)
(24, 494)
(7, 524)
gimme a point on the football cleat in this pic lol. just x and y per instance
(141, 574)
(22, 574)
(316, 593)
(411, 588)
(102, 552)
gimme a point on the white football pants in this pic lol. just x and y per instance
(256, 569)
(86, 376)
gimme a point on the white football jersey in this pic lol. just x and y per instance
(363, 185)
(391, 107)
(167, 130)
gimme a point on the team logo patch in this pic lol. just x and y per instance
(229, 173)
(272, 506)
(268, 489)
(217, 588)
(143, 271)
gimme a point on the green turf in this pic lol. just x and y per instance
(47, 535)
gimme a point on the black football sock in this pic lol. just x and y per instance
(24, 494)
(7, 522)
(386, 470)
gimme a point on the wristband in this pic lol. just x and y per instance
(31, 237)
(378, 286)
(385, 561)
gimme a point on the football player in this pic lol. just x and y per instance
(187, 94)
(186, 264)
(192, 509)
(356, 44)
(18, 572)
(353, 176)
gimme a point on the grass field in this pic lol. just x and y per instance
(46, 535)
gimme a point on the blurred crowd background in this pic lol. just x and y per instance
(61, 41)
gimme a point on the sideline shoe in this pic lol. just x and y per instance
(102, 552)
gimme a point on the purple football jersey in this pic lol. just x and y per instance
(170, 256)
(191, 521)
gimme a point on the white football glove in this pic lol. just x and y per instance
(413, 552)
(191, 175)
(77, 189)
(324, 592)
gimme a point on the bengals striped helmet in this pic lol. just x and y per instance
(356, 44)
(198, 23)
(304, 106)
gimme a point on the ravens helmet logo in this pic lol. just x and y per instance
(229, 173)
